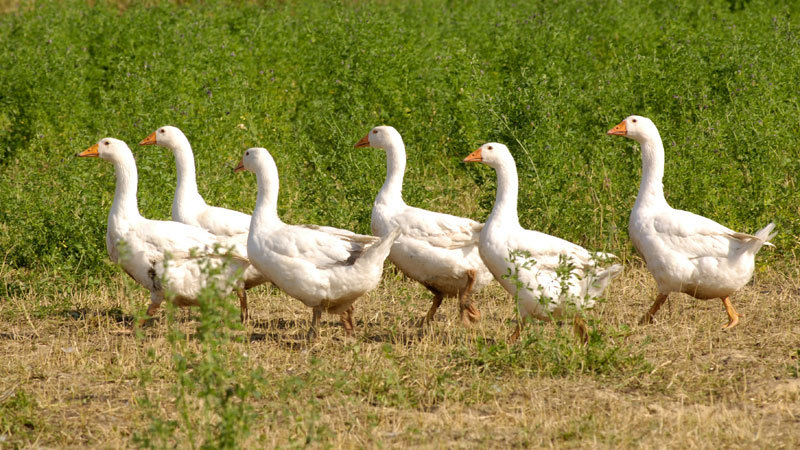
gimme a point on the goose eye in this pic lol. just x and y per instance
(634, 120)
(489, 147)
(105, 142)
(374, 131)
(161, 130)
(246, 153)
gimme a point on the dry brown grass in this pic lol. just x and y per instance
(394, 386)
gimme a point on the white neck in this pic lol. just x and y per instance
(392, 190)
(186, 195)
(505, 203)
(651, 190)
(124, 208)
(265, 214)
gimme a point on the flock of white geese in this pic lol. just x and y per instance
(329, 268)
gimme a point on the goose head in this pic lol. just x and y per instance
(638, 128)
(380, 137)
(492, 154)
(109, 149)
(166, 136)
(253, 159)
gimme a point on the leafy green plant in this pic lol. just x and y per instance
(566, 274)
(307, 79)
(214, 384)
(554, 353)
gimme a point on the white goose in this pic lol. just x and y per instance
(139, 245)
(684, 252)
(327, 269)
(438, 250)
(547, 291)
(189, 207)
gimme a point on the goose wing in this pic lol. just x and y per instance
(322, 248)
(224, 222)
(696, 236)
(439, 230)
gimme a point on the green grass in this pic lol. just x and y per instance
(18, 415)
(308, 79)
(554, 353)
(212, 381)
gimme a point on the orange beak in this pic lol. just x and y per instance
(91, 151)
(149, 140)
(474, 156)
(239, 167)
(364, 142)
(618, 130)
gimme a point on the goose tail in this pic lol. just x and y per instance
(761, 238)
(377, 253)
(600, 280)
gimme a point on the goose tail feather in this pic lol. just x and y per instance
(378, 252)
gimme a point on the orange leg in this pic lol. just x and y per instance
(648, 318)
(733, 316)
(517, 332)
(581, 329)
(347, 321)
(437, 300)
(151, 312)
(243, 304)
(515, 335)
(469, 313)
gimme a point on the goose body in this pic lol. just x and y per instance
(160, 255)
(536, 259)
(440, 251)
(324, 267)
(189, 207)
(685, 252)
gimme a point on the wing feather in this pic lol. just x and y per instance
(224, 222)
(696, 236)
(438, 229)
(324, 248)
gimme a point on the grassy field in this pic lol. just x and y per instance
(307, 80)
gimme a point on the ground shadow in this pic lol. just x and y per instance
(116, 315)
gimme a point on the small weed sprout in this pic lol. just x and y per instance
(564, 273)
(213, 382)
(551, 352)
(519, 260)
(568, 276)
(522, 260)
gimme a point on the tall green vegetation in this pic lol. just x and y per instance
(307, 79)
(214, 383)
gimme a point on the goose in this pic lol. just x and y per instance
(189, 207)
(325, 268)
(685, 252)
(542, 289)
(160, 255)
(438, 250)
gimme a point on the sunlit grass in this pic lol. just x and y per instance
(307, 80)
